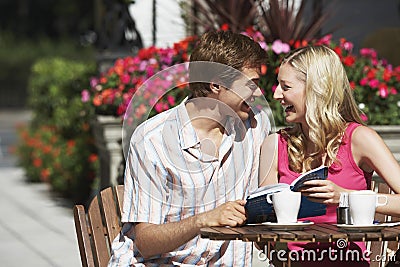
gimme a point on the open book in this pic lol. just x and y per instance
(258, 210)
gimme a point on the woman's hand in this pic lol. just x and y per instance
(322, 191)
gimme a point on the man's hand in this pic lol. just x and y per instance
(231, 213)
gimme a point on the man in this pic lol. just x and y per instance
(193, 165)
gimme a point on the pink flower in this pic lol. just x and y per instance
(278, 47)
(348, 46)
(85, 96)
(263, 45)
(374, 83)
(393, 91)
(364, 81)
(363, 117)
(143, 65)
(368, 52)
(326, 39)
(150, 71)
(171, 100)
(125, 78)
(383, 91)
(94, 82)
(160, 107)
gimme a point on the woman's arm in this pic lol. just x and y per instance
(371, 153)
(268, 170)
(392, 207)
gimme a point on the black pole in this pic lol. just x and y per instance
(154, 31)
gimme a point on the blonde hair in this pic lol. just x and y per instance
(330, 105)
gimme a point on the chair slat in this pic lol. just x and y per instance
(110, 214)
(101, 250)
(378, 249)
(83, 236)
(119, 192)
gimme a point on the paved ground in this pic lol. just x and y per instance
(36, 228)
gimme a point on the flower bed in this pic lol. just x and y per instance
(375, 81)
(57, 147)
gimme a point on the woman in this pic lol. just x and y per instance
(327, 130)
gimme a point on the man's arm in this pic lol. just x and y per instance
(154, 239)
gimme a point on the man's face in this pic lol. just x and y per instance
(242, 92)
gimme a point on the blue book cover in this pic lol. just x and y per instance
(259, 210)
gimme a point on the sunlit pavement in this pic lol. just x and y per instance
(36, 227)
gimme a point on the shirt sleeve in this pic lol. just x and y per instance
(144, 185)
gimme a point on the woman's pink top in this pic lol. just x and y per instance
(346, 174)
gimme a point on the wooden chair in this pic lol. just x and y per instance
(97, 228)
(379, 249)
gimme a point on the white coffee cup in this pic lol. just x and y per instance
(286, 205)
(363, 204)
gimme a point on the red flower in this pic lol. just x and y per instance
(387, 74)
(71, 143)
(349, 61)
(147, 53)
(103, 80)
(264, 69)
(300, 43)
(37, 162)
(338, 51)
(225, 27)
(44, 175)
(46, 149)
(119, 69)
(97, 100)
(92, 158)
(371, 74)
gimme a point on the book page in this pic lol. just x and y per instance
(268, 189)
(317, 173)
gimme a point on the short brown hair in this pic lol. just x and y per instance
(225, 47)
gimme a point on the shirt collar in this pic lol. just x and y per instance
(187, 134)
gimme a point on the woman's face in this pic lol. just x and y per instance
(291, 93)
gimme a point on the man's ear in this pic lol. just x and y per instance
(214, 88)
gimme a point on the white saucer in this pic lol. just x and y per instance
(365, 228)
(287, 226)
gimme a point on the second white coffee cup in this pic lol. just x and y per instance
(363, 204)
(286, 205)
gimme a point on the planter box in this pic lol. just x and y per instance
(108, 134)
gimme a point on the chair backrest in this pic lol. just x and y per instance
(382, 251)
(97, 228)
